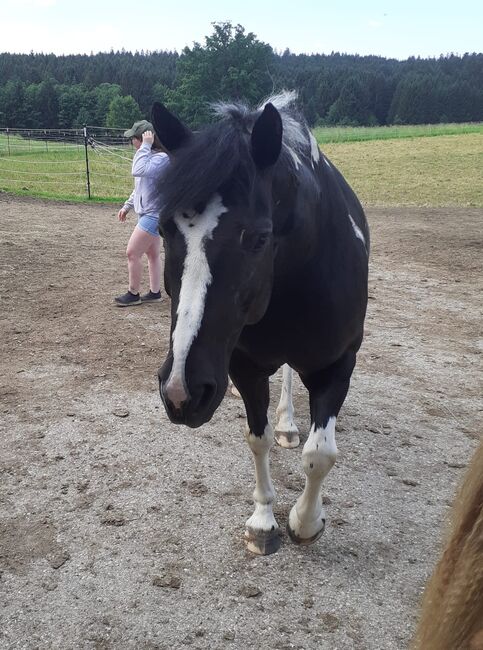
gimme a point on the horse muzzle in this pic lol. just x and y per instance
(193, 407)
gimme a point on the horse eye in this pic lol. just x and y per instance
(254, 242)
(261, 241)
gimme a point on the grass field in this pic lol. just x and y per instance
(361, 133)
(434, 165)
(428, 171)
(58, 170)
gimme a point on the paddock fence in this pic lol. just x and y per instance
(85, 163)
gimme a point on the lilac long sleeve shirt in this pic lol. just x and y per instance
(147, 168)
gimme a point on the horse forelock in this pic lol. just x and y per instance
(198, 169)
(213, 156)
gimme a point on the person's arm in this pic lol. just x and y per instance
(129, 204)
(145, 163)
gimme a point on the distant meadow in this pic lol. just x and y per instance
(434, 165)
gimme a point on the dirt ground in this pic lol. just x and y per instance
(120, 530)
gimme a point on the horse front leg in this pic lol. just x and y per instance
(262, 533)
(327, 390)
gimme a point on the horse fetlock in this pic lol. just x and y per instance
(262, 533)
(263, 496)
(287, 438)
(285, 423)
(262, 518)
(286, 431)
(305, 525)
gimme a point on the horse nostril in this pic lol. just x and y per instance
(173, 393)
(203, 397)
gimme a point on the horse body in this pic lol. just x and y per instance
(312, 300)
(266, 264)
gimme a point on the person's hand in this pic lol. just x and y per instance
(148, 136)
(122, 214)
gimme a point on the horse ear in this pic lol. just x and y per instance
(171, 132)
(267, 137)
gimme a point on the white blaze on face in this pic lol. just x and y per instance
(196, 279)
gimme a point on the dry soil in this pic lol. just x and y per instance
(119, 530)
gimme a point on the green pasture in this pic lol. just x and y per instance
(329, 134)
(434, 165)
(58, 170)
(428, 171)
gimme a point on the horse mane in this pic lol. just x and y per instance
(452, 607)
(295, 130)
(221, 151)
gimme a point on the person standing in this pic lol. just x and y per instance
(148, 166)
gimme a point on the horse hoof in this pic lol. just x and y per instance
(287, 439)
(262, 542)
(304, 534)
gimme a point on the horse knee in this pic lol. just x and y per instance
(318, 462)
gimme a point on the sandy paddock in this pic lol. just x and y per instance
(119, 530)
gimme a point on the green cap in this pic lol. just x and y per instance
(138, 128)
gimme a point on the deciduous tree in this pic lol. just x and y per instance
(123, 112)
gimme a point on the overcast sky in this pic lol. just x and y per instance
(390, 29)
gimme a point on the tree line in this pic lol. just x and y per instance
(114, 89)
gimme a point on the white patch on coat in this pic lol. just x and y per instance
(196, 230)
(357, 231)
(314, 150)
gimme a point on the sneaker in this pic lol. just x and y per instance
(128, 299)
(150, 296)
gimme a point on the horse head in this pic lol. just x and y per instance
(219, 249)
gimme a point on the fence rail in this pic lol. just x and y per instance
(92, 162)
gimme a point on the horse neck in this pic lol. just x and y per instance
(301, 215)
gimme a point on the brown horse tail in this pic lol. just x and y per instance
(452, 607)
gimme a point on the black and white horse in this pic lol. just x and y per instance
(266, 261)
